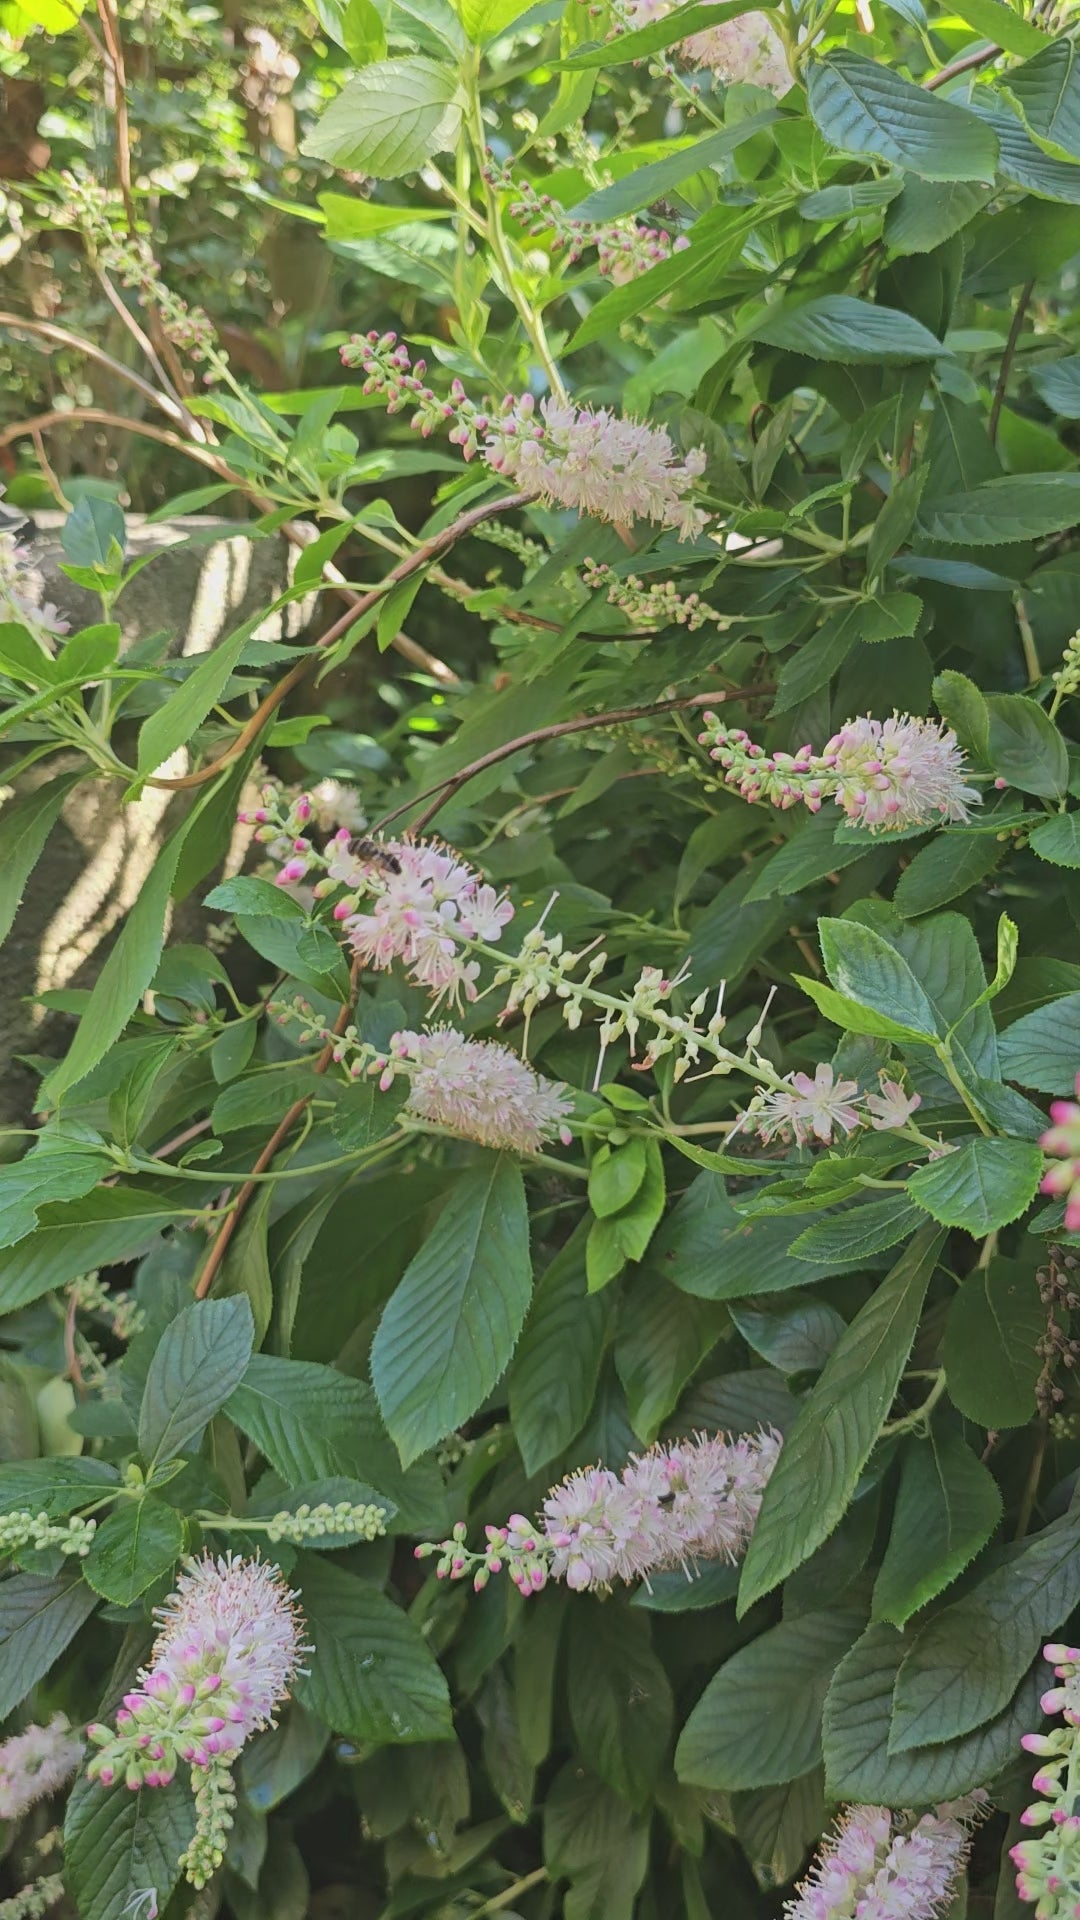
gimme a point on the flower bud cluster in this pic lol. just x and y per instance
(91, 1295)
(689, 1500)
(323, 1520)
(658, 605)
(1048, 1866)
(131, 259)
(1062, 1140)
(38, 1531)
(885, 775)
(1067, 677)
(625, 248)
(35, 1900)
(215, 1805)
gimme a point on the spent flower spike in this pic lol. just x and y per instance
(881, 1865)
(624, 248)
(885, 774)
(1062, 1140)
(690, 1500)
(35, 1763)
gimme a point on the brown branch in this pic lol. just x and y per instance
(122, 132)
(964, 65)
(73, 1367)
(277, 1139)
(65, 339)
(413, 563)
(619, 716)
(1011, 344)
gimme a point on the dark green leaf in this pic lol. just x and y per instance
(830, 1443)
(995, 1323)
(41, 1177)
(54, 1486)
(557, 1365)
(1041, 1049)
(200, 1358)
(371, 1675)
(758, 1723)
(1016, 507)
(1047, 92)
(1058, 840)
(136, 1545)
(946, 1510)
(862, 106)
(621, 1705)
(981, 1185)
(28, 822)
(949, 866)
(836, 327)
(1025, 747)
(121, 1846)
(39, 1616)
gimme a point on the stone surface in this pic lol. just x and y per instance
(206, 578)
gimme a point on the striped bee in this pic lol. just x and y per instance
(377, 856)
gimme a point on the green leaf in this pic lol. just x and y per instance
(1041, 1049)
(371, 1675)
(965, 709)
(44, 1176)
(929, 212)
(615, 1176)
(851, 1237)
(262, 1098)
(758, 1722)
(663, 1336)
(861, 106)
(981, 1185)
(199, 1360)
(621, 1705)
(389, 118)
(1058, 383)
(109, 1224)
(658, 34)
(272, 1406)
(793, 1334)
(837, 327)
(138, 1543)
(830, 1442)
(27, 824)
(1047, 92)
(91, 532)
(1025, 747)
(556, 1368)
(858, 1717)
(948, 867)
(840, 202)
(1021, 161)
(968, 1660)
(999, 23)
(175, 722)
(483, 19)
(255, 899)
(866, 968)
(54, 1486)
(706, 1247)
(39, 1617)
(658, 179)
(452, 1324)
(811, 854)
(849, 1014)
(119, 1845)
(947, 1508)
(1022, 506)
(995, 1323)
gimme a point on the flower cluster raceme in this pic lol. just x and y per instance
(806, 1109)
(747, 48)
(478, 1089)
(586, 458)
(625, 248)
(326, 1519)
(38, 1531)
(659, 604)
(34, 1901)
(885, 774)
(690, 1500)
(226, 1655)
(1048, 1865)
(20, 604)
(880, 1865)
(1063, 1141)
(35, 1763)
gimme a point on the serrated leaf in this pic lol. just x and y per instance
(27, 823)
(967, 1662)
(54, 1486)
(662, 1337)
(864, 967)
(389, 118)
(1017, 506)
(371, 1675)
(995, 1323)
(848, 1238)
(854, 332)
(946, 1509)
(44, 1176)
(831, 1440)
(121, 1846)
(39, 1616)
(109, 1224)
(1025, 747)
(657, 180)
(862, 106)
(1047, 92)
(1041, 1049)
(758, 1723)
(948, 867)
(795, 1335)
(199, 1360)
(451, 1326)
(138, 1543)
(708, 1248)
(621, 1705)
(556, 1367)
(981, 1185)
(858, 1715)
